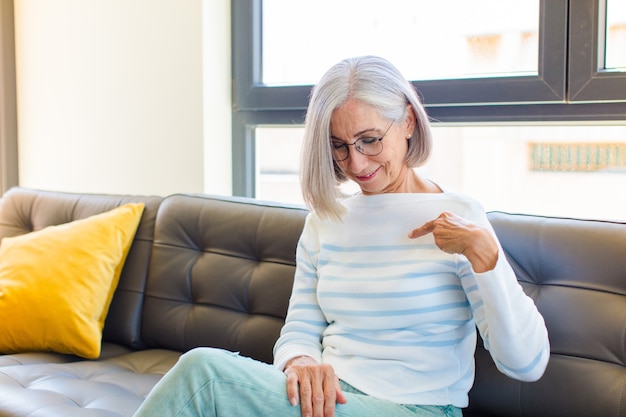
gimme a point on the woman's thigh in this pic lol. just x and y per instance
(215, 382)
(360, 404)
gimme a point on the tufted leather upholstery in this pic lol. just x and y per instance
(213, 271)
(105, 388)
(575, 270)
(220, 274)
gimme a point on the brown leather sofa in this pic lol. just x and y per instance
(216, 271)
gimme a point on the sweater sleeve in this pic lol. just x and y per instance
(512, 328)
(305, 322)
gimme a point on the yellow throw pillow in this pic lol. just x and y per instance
(56, 284)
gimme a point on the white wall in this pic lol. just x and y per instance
(110, 95)
(217, 98)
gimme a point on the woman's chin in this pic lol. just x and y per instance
(368, 189)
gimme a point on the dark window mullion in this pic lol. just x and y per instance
(588, 81)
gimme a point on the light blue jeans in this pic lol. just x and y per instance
(215, 382)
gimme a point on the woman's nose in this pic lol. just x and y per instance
(356, 160)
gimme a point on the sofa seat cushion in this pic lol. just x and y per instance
(111, 387)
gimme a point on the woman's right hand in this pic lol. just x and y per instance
(315, 386)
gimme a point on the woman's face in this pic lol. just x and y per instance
(386, 172)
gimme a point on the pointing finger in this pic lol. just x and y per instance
(424, 229)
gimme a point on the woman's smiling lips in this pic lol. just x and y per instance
(368, 176)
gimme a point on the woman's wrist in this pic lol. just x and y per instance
(483, 255)
(302, 359)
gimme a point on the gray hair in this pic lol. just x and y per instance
(373, 81)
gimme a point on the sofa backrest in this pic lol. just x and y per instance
(23, 210)
(575, 270)
(221, 274)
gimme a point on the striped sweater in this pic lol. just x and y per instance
(397, 317)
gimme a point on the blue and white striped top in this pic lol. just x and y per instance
(396, 317)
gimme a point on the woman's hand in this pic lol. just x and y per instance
(316, 385)
(454, 234)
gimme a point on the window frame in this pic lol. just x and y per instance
(568, 57)
(589, 81)
(250, 94)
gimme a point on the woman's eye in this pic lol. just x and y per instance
(368, 141)
(338, 145)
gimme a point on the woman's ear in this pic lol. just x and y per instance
(409, 122)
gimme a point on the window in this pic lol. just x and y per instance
(615, 54)
(565, 91)
(553, 169)
(536, 73)
(470, 43)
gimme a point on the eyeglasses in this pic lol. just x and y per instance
(369, 146)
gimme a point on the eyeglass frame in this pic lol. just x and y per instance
(344, 144)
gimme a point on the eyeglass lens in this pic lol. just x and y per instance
(369, 146)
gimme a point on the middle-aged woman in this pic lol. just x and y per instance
(390, 283)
